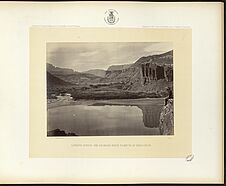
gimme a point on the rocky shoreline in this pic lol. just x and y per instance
(166, 121)
(58, 132)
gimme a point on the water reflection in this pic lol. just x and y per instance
(151, 115)
(105, 120)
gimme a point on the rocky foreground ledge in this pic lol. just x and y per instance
(58, 132)
(166, 121)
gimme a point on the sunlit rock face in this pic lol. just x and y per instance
(166, 121)
(151, 115)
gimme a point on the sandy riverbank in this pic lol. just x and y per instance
(66, 100)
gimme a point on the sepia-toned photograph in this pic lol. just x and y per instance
(109, 88)
(112, 92)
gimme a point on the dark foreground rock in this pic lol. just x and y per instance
(58, 132)
(166, 121)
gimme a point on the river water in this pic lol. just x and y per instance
(105, 120)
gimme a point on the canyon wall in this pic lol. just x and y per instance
(166, 121)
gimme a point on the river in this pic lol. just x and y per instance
(107, 119)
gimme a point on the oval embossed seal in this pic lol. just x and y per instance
(111, 17)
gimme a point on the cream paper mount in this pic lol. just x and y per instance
(177, 145)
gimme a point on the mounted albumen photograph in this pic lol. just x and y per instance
(109, 88)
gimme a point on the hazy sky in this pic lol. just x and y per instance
(86, 56)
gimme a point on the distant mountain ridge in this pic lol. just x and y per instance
(96, 72)
(127, 73)
(53, 81)
(57, 70)
(118, 67)
(164, 58)
(71, 76)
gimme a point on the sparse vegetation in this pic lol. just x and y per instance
(93, 95)
(117, 84)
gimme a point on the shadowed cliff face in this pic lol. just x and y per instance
(166, 121)
(151, 115)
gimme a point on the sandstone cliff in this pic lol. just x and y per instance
(131, 76)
